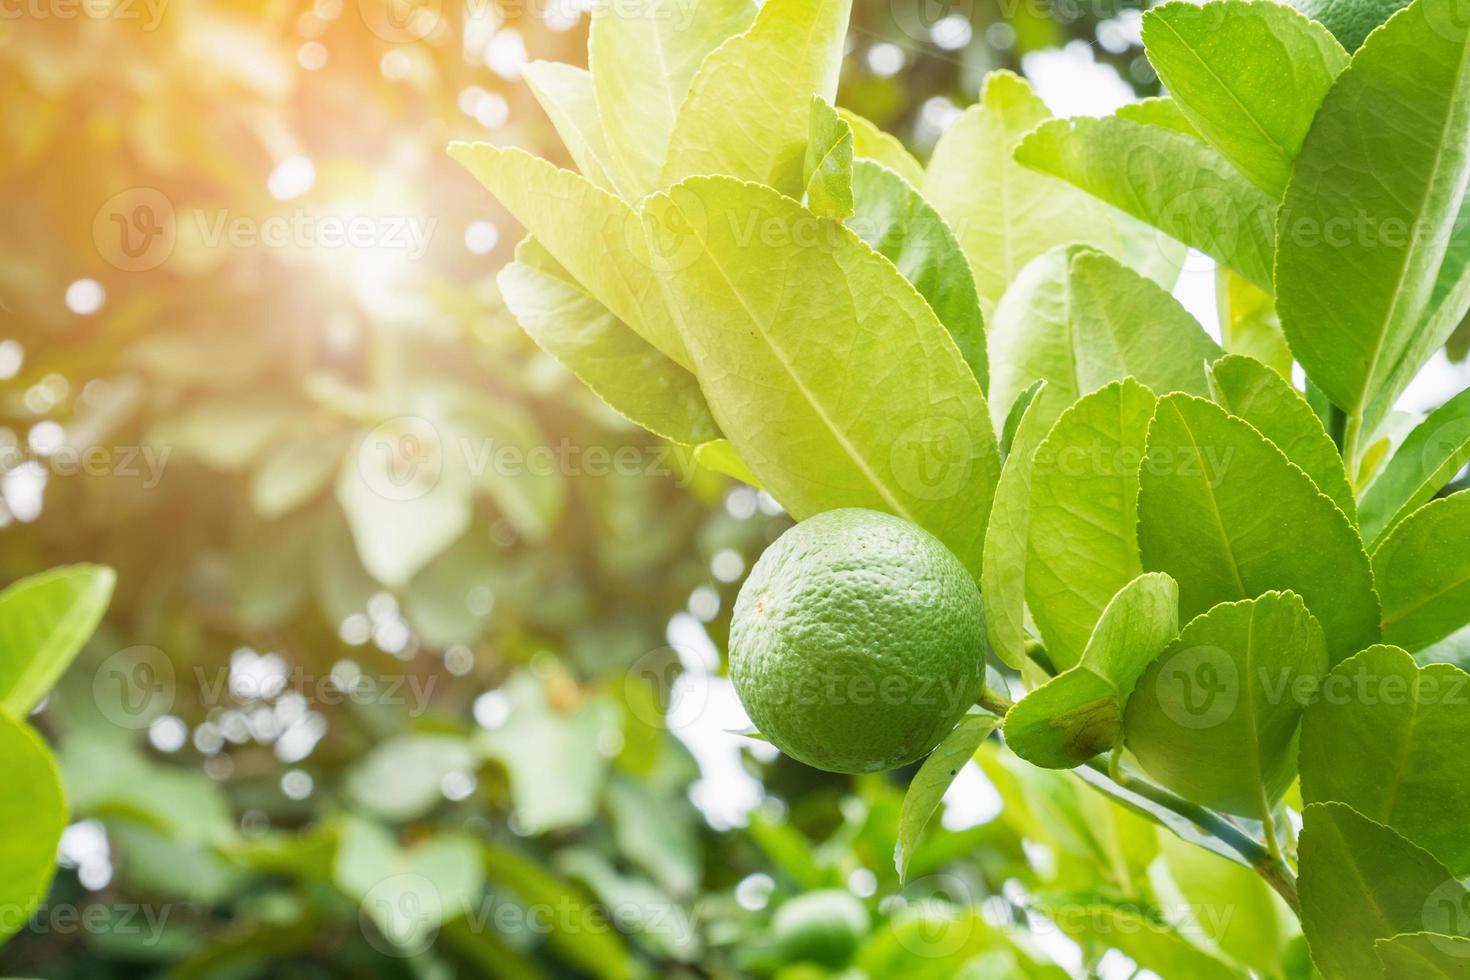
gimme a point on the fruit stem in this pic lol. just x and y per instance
(1270, 866)
(1267, 862)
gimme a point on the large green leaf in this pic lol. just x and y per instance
(1387, 737)
(622, 368)
(567, 97)
(933, 780)
(643, 58)
(32, 816)
(1361, 882)
(1003, 571)
(1350, 23)
(406, 492)
(1372, 204)
(1250, 76)
(1079, 319)
(593, 234)
(1230, 517)
(1427, 460)
(1423, 573)
(1079, 713)
(871, 143)
(895, 219)
(1424, 956)
(1250, 390)
(827, 171)
(749, 105)
(819, 338)
(1233, 909)
(1215, 718)
(1248, 322)
(1166, 178)
(44, 620)
(1004, 215)
(1083, 542)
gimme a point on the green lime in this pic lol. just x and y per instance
(820, 927)
(1350, 21)
(857, 642)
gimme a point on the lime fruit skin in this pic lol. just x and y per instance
(1350, 21)
(820, 927)
(857, 642)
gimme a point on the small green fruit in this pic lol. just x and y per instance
(857, 642)
(822, 927)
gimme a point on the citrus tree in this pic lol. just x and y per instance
(1215, 597)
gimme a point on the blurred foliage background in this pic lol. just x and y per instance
(414, 667)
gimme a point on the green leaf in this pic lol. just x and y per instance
(294, 471)
(401, 778)
(643, 59)
(1230, 517)
(1079, 319)
(536, 740)
(44, 621)
(1249, 75)
(593, 234)
(33, 815)
(1159, 110)
(1153, 945)
(1248, 322)
(1015, 415)
(452, 600)
(506, 455)
(1232, 907)
(1427, 460)
(1079, 713)
(721, 457)
(1003, 569)
(1250, 390)
(1215, 718)
(871, 143)
(1423, 573)
(1358, 258)
(821, 336)
(748, 111)
(408, 893)
(1387, 737)
(579, 932)
(624, 370)
(567, 97)
(1166, 178)
(827, 173)
(932, 781)
(1082, 543)
(900, 225)
(1361, 882)
(1424, 956)
(1011, 216)
(405, 490)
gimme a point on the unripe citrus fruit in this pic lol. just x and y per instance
(820, 927)
(1350, 21)
(857, 642)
